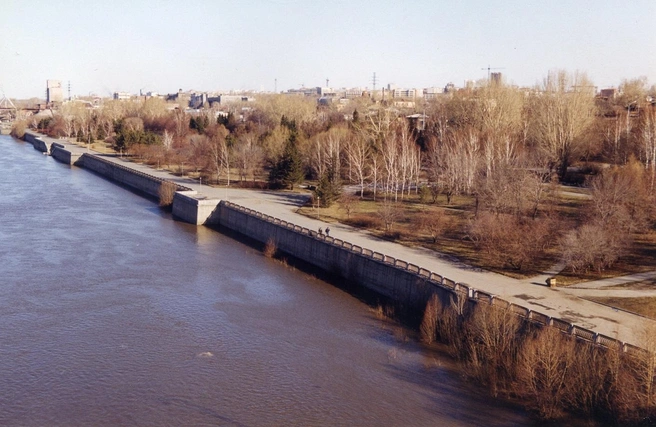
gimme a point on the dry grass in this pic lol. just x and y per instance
(645, 306)
(454, 241)
(383, 312)
(270, 248)
(167, 191)
(644, 285)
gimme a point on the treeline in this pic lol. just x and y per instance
(551, 373)
(498, 144)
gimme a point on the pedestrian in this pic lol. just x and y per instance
(320, 231)
(327, 231)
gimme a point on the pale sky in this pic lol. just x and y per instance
(103, 46)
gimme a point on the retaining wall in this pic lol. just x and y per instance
(369, 269)
(195, 210)
(186, 205)
(404, 283)
(129, 177)
(61, 154)
(38, 141)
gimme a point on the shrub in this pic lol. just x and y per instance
(167, 191)
(364, 221)
(593, 246)
(18, 129)
(270, 248)
(424, 194)
(428, 326)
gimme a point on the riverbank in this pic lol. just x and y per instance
(410, 286)
(541, 302)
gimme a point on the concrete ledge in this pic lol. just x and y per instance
(39, 142)
(188, 207)
(61, 154)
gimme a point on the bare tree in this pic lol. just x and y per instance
(348, 202)
(564, 109)
(358, 155)
(219, 152)
(389, 213)
(648, 142)
(544, 367)
(492, 340)
(433, 223)
(326, 148)
(247, 155)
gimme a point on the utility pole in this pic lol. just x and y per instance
(327, 82)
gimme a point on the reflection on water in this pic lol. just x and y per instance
(114, 314)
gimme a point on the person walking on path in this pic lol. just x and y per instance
(327, 231)
(320, 231)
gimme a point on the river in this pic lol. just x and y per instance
(114, 314)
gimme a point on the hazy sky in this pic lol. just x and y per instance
(103, 46)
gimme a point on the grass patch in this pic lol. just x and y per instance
(454, 243)
(644, 285)
(645, 306)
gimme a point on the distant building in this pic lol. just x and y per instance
(609, 93)
(403, 104)
(405, 93)
(198, 100)
(431, 93)
(417, 121)
(352, 93)
(229, 99)
(496, 78)
(304, 91)
(54, 93)
(120, 96)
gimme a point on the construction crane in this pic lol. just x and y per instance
(491, 68)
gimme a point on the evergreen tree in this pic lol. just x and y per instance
(329, 188)
(199, 123)
(288, 170)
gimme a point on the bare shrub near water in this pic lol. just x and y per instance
(449, 322)
(166, 192)
(428, 326)
(550, 371)
(18, 129)
(544, 370)
(492, 342)
(270, 248)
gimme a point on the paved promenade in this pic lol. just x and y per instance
(531, 293)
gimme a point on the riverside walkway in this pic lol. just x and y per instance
(530, 293)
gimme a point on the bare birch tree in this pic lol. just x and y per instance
(564, 109)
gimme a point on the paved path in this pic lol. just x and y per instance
(532, 293)
(614, 281)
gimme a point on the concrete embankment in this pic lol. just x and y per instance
(38, 141)
(187, 205)
(407, 284)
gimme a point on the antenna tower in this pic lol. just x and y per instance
(69, 90)
(275, 85)
(373, 80)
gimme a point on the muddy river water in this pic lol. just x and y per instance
(111, 313)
